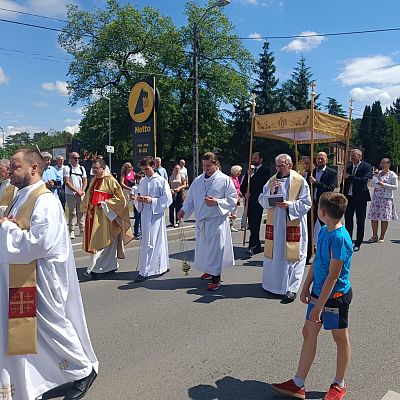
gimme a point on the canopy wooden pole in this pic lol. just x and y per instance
(296, 153)
(346, 154)
(312, 165)
(249, 166)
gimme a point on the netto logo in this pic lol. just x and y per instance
(141, 102)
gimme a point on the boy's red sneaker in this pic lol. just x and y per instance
(290, 389)
(206, 277)
(335, 392)
(214, 285)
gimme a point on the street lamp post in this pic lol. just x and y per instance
(4, 143)
(109, 128)
(219, 3)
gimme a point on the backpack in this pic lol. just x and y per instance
(74, 173)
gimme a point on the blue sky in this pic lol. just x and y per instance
(33, 93)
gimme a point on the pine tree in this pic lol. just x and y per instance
(241, 125)
(298, 87)
(393, 140)
(335, 108)
(378, 134)
(266, 82)
(394, 109)
(364, 132)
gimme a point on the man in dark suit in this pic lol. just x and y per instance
(357, 193)
(323, 179)
(258, 179)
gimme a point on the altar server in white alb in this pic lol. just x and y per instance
(44, 341)
(153, 198)
(285, 248)
(212, 196)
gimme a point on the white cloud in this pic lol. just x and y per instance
(72, 129)
(3, 77)
(367, 94)
(378, 69)
(255, 35)
(138, 59)
(305, 43)
(252, 2)
(377, 78)
(78, 110)
(59, 87)
(52, 8)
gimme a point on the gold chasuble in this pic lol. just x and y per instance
(292, 227)
(22, 331)
(7, 196)
(100, 232)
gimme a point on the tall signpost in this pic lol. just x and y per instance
(142, 106)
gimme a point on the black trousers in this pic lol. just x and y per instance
(175, 207)
(255, 213)
(359, 207)
(309, 241)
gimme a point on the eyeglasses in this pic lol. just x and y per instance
(281, 166)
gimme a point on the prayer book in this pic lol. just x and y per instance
(99, 196)
(273, 199)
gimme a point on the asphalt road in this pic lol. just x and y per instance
(168, 338)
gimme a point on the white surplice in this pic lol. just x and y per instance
(214, 249)
(64, 351)
(154, 257)
(279, 274)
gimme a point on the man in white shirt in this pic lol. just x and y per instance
(75, 178)
(183, 170)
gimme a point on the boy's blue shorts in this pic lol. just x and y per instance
(335, 314)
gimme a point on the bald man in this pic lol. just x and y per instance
(323, 179)
(44, 341)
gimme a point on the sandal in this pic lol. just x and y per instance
(373, 239)
(381, 239)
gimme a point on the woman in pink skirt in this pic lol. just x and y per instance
(382, 205)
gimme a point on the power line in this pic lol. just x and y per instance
(31, 25)
(322, 34)
(33, 15)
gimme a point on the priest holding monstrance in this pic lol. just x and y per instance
(44, 341)
(286, 196)
(107, 222)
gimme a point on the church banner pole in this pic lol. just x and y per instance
(346, 154)
(312, 164)
(249, 167)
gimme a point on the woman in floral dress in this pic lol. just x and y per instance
(382, 205)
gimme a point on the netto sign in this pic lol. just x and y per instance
(142, 108)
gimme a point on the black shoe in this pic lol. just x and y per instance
(289, 297)
(250, 251)
(139, 278)
(356, 248)
(80, 388)
(257, 250)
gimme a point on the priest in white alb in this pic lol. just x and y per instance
(44, 340)
(153, 198)
(212, 197)
(285, 247)
(7, 190)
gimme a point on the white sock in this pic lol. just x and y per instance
(339, 383)
(299, 382)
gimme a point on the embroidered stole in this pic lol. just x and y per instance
(292, 227)
(8, 196)
(22, 329)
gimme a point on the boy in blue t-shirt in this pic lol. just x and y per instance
(329, 300)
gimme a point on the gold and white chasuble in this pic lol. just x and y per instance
(286, 235)
(41, 245)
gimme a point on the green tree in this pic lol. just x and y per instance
(335, 108)
(297, 89)
(394, 109)
(17, 141)
(393, 140)
(266, 82)
(119, 45)
(378, 134)
(364, 132)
